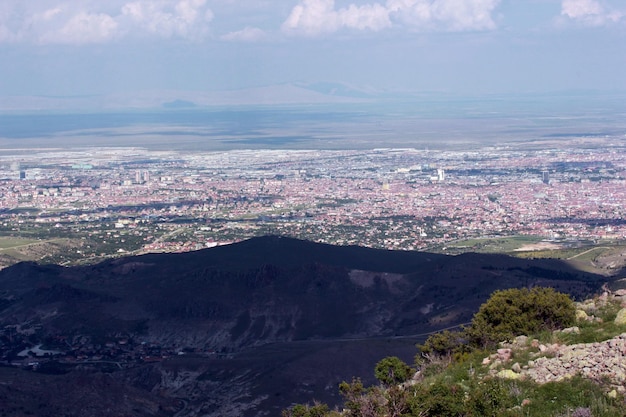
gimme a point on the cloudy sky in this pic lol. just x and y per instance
(81, 47)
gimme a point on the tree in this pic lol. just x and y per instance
(442, 343)
(392, 370)
(361, 401)
(439, 399)
(514, 312)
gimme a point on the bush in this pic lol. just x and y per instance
(439, 399)
(442, 344)
(514, 312)
(392, 370)
(360, 401)
(305, 410)
(489, 398)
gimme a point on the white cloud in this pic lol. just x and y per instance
(84, 22)
(248, 34)
(576, 9)
(314, 17)
(83, 28)
(185, 18)
(446, 15)
(589, 12)
(50, 13)
(370, 16)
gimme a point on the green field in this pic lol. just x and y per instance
(7, 242)
(488, 245)
(605, 258)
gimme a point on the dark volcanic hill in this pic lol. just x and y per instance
(226, 329)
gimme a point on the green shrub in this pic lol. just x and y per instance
(489, 398)
(439, 399)
(513, 312)
(442, 344)
(360, 401)
(305, 410)
(392, 370)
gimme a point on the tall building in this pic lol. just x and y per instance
(441, 174)
(545, 177)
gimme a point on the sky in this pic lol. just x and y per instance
(95, 47)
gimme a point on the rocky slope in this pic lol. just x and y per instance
(599, 361)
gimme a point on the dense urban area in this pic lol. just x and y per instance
(117, 201)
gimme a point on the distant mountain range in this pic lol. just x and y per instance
(237, 329)
(313, 93)
(278, 94)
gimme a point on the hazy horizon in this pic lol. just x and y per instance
(426, 123)
(125, 49)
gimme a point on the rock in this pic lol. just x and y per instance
(620, 319)
(581, 315)
(507, 374)
(504, 354)
(516, 368)
(520, 341)
(619, 376)
(612, 394)
(592, 360)
(571, 330)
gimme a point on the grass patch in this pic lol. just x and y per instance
(591, 332)
(12, 242)
(492, 245)
(563, 398)
(549, 254)
(463, 388)
(592, 335)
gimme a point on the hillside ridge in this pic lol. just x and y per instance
(223, 325)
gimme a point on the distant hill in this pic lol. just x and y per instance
(179, 104)
(276, 94)
(298, 305)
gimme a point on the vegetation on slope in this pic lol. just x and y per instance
(459, 373)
